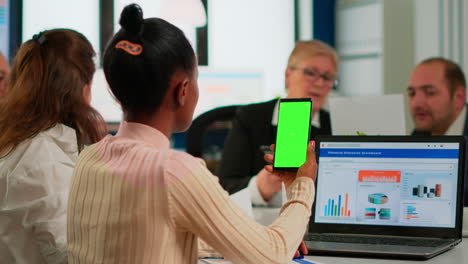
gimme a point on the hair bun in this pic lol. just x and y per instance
(131, 19)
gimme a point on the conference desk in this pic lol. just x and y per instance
(456, 255)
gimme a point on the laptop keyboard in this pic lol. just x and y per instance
(376, 240)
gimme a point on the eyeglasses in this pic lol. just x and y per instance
(313, 75)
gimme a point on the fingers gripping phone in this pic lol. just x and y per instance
(292, 135)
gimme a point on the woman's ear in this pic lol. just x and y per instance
(181, 92)
(287, 76)
(460, 97)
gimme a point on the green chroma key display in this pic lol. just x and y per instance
(292, 136)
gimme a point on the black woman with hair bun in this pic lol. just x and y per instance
(135, 200)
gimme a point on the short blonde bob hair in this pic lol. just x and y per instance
(306, 49)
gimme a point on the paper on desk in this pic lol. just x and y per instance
(217, 261)
(303, 261)
(243, 199)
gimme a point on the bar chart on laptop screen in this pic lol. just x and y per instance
(411, 212)
(336, 200)
(338, 207)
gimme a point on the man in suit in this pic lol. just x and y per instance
(311, 72)
(437, 101)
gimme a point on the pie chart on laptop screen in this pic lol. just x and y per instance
(377, 198)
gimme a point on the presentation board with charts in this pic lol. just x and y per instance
(216, 88)
(227, 87)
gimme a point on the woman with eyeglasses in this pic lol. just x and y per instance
(311, 72)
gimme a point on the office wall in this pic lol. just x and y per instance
(80, 15)
(375, 41)
(435, 28)
(359, 44)
(305, 12)
(440, 30)
(151, 8)
(426, 25)
(4, 28)
(398, 45)
(252, 35)
(465, 34)
(259, 38)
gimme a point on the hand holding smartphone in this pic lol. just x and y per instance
(293, 131)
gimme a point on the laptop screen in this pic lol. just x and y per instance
(411, 184)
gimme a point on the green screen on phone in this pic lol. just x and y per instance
(292, 135)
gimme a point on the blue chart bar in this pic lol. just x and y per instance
(339, 204)
(332, 207)
(2, 15)
(329, 208)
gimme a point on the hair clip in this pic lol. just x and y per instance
(129, 47)
(40, 38)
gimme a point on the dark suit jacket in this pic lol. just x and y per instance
(242, 154)
(465, 133)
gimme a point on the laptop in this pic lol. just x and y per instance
(387, 196)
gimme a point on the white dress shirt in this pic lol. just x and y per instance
(458, 125)
(34, 185)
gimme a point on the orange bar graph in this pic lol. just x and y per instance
(346, 205)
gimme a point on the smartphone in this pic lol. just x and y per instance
(292, 135)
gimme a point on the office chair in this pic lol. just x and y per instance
(205, 137)
(112, 127)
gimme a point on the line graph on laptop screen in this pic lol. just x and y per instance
(381, 183)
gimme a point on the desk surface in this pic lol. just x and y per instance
(456, 255)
